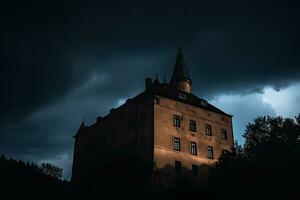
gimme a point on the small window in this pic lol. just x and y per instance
(177, 167)
(195, 170)
(176, 120)
(208, 130)
(194, 148)
(193, 127)
(203, 103)
(176, 145)
(182, 96)
(224, 134)
(210, 152)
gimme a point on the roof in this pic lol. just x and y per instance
(180, 69)
(171, 92)
(167, 91)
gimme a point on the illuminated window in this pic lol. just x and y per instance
(176, 145)
(194, 148)
(176, 121)
(210, 152)
(208, 130)
(193, 125)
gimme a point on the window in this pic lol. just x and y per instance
(195, 170)
(193, 125)
(177, 167)
(182, 96)
(208, 130)
(194, 148)
(210, 152)
(176, 144)
(203, 103)
(176, 121)
(224, 134)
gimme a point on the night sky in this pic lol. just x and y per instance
(68, 60)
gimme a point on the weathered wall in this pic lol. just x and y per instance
(127, 130)
(164, 131)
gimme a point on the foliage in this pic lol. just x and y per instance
(24, 180)
(51, 170)
(266, 166)
(272, 140)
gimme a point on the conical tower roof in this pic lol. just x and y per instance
(180, 71)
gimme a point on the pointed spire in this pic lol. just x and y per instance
(180, 71)
(81, 128)
(82, 124)
(181, 77)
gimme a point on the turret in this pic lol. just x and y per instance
(180, 77)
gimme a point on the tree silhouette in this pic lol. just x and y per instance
(266, 166)
(51, 170)
(20, 180)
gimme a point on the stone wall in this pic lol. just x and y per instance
(165, 131)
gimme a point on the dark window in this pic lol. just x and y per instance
(193, 125)
(208, 130)
(210, 152)
(194, 148)
(195, 170)
(177, 167)
(176, 121)
(224, 134)
(177, 144)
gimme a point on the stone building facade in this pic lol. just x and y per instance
(166, 126)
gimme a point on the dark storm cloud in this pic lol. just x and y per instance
(62, 61)
(244, 43)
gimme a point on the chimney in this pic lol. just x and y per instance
(148, 83)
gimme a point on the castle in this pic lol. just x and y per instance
(165, 125)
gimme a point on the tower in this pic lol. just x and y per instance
(180, 77)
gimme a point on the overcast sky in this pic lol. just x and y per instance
(64, 61)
